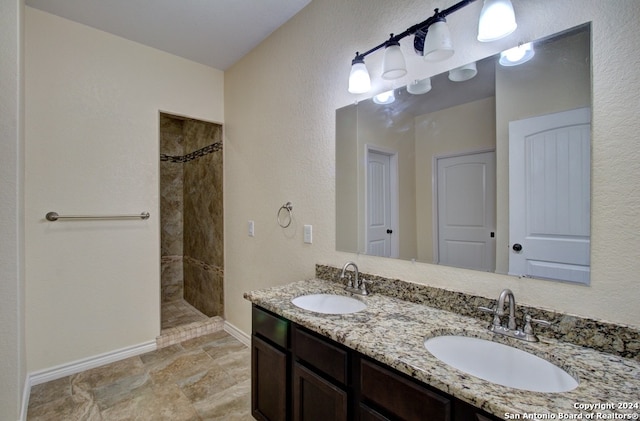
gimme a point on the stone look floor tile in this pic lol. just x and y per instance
(205, 378)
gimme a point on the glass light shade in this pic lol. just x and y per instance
(383, 98)
(462, 73)
(517, 55)
(419, 86)
(497, 20)
(393, 65)
(438, 45)
(359, 80)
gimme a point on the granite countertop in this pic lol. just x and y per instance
(392, 331)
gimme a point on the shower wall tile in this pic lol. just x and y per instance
(203, 287)
(172, 285)
(171, 209)
(203, 222)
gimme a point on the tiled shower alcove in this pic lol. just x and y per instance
(191, 215)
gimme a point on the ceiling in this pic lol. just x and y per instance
(216, 33)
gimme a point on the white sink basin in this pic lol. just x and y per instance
(329, 303)
(500, 364)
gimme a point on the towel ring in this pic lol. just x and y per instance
(289, 208)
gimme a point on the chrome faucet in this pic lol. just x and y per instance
(506, 293)
(511, 329)
(355, 285)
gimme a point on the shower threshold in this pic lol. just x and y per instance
(181, 321)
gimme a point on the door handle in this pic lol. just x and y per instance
(517, 247)
(389, 231)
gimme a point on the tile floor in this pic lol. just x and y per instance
(204, 378)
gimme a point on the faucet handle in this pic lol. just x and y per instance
(349, 280)
(494, 311)
(528, 320)
(363, 288)
(487, 310)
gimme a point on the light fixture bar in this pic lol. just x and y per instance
(497, 15)
(422, 26)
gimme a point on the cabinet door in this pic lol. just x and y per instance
(399, 398)
(268, 381)
(316, 399)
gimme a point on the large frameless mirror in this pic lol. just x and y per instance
(484, 167)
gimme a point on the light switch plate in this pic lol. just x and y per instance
(308, 234)
(252, 232)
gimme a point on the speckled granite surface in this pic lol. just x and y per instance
(602, 336)
(393, 331)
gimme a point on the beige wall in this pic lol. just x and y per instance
(280, 103)
(12, 349)
(465, 128)
(397, 139)
(92, 147)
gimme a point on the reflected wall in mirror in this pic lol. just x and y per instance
(489, 173)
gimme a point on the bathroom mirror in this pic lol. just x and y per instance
(485, 167)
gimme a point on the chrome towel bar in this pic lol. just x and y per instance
(53, 216)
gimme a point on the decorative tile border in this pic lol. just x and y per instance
(217, 146)
(204, 266)
(602, 336)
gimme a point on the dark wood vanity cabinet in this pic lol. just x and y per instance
(269, 366)
(321, 378)
(300, 375)
(387, 394)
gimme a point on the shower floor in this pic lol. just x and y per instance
(179, 312)
(180, 321)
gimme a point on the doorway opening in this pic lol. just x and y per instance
(191, 226)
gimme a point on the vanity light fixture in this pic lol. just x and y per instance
(393, 65)
(497, 20)
(432, 40)
(517, 55)
(359, 80)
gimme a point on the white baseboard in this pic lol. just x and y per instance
(74, 367)
(25, 399)
(237, 333)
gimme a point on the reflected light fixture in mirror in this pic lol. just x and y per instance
(463, 73)
(432, 40)
(385, 98)
(517, 55)
(419, 86)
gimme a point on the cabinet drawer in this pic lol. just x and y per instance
(320, 354)
(399, 397)
(270, 326)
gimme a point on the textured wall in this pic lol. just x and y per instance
(280, 103)
(92, 103)
(12, 349)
